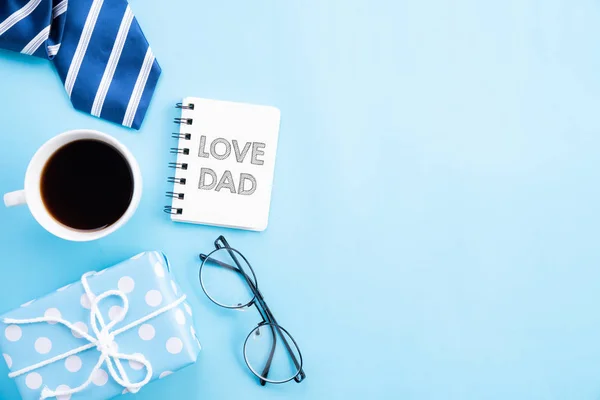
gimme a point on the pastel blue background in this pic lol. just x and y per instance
(434, 225)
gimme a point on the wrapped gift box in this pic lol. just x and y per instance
(158, 329)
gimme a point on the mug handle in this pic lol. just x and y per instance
(15, 198)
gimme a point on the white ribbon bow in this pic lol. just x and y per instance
(104, 341)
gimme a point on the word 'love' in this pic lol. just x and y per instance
(240, 155)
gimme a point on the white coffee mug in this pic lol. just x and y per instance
(31, 195)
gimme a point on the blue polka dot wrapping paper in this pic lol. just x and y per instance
(154, 331)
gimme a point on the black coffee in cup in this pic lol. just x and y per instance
(87, 185)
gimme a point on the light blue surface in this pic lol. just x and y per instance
(434, 225)
(168, 341)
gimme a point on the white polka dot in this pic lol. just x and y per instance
(85, 301)
(114, 346)
(116, 313)
(52, 312)
(63, 388)
(8, 360)
(164, 374)
(30, 302)
(73, 364)
(153, 298)
(64, 288)
(174, 286)
(33, 381)
(136, 365)
(13, 333)
(82, 327)
(126, 284)
(138, 256)
(159, 270)
(174, 345)
(187, 308)
(146, 332)
(43, 345)
(179, 316)
(100, 377)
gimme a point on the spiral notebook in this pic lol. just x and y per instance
(225, 163)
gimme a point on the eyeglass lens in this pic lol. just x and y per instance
(226, 276)
(268, 351)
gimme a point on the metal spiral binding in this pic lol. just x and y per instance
(177, 150)
(179, 165)
(186, 136)
(175, 195)
(182, 166)
(179, 181)
(185, 107)
(186, 121)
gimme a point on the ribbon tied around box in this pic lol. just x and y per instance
(104, 342)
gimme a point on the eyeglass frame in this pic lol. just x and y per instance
(263, 309)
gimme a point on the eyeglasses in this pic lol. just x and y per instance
(229, 281)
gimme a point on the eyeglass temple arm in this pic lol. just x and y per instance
(274, 325)
(267, 367)
(204, 257)
(300, 375)
(220, 243)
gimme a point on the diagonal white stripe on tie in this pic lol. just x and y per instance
(18, 15)
(53, 50)
(138, 89)
(59, 9)
(37, 41)
(82, 46)
(113, 61)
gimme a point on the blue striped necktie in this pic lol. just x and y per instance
(97, 47)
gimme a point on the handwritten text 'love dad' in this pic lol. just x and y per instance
(220, 149)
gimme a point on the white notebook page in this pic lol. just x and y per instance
(230, 165)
